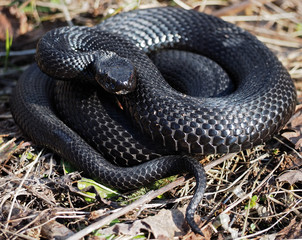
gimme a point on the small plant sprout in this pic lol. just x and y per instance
(8, 44)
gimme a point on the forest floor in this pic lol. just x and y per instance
(255, 194)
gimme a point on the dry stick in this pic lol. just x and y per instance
(218, 161)
(19, 189)
(39, 216)
(271, 34)
(248, 195)
(21, 236)
(273, 216)
(66, 14)
(280, 141)
(231, 185)
(280, 10)
(143, 200)
(182, 4)
(253, 18)
(253, 187)
(55, 230)
(238, 7)
(281, 43)
(25, 228)
(267, 229)
(19, 53)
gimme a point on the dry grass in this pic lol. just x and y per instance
(244, 198)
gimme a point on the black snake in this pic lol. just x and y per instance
(115, 55)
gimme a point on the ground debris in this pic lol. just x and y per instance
(8, 148)
(14, 21)
(166, 224)
(294, 126)
(254, 189)
(292, 161)
(292, 231)
(291, 176)
(55, 230)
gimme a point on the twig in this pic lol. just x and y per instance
(43, 214)
(55, 230)
(279, 10)
(66, 13)
(253, 18)
(232, 184)
(42, 196)
(238, 7)
(271, 215)
(21, 236)
(182, 4)
(267, 229)
(268, 33)
(279, 140)
(19, 188)
(19, 53)
(143, 200)
(248, 209)
(292, 192)
(254, 190)
(281, 43)
(218, 161)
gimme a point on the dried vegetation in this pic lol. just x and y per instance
(250, 195)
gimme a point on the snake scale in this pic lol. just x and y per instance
(59, 102)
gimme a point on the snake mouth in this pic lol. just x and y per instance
(115, 74)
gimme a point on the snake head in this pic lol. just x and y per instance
(114, 73)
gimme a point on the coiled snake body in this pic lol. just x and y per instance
(61, 114)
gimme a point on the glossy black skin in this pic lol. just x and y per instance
(212, 122)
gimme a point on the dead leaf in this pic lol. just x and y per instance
(291, 161)
(55, 230)
(165, 225)
(7, 149)
(292, 231)
(295, 124)
(207, 232)
(291, 176)
(33, 233)
(13, 20)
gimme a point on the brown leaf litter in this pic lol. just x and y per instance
(38, 200)
(294, 126)
(14, 21)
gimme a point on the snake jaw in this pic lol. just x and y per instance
(114, 73)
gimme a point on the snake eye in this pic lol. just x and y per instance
(114, 73)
